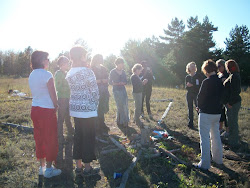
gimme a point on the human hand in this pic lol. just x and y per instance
(189, 84)
(228, 106)
(145, 81)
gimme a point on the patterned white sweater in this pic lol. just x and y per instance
(84, 94)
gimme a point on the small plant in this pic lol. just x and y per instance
(182, 167)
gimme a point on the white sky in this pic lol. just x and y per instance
(54, 25)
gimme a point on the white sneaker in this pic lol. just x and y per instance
(50, 172)
(41, 170)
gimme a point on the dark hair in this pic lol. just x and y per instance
(118, 61)
(77, 52)
(61, 60)
(136, 67)
(144, 63)
(37, 58)
(220, 62)
(209, 66)
(97, 59)
(232, 66)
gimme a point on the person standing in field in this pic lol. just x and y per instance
(83, 105)
(137, 84)
(63, 94)
(209, 107)
(192, 84)
(101, 74)
(147, 88)
(232, 100)
(118, 79)
(43, 113)
(223, 75)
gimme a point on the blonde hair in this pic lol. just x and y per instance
(220, 62)
(188, 67)
(136, 67)
(97, 59)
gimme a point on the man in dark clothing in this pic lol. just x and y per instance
(147, 88)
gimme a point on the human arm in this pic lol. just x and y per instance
(52, 92)
(235, 89)
(202, 95)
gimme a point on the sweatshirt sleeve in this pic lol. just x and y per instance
(202, 95)
(234, 90)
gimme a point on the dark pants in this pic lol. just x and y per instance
(232, 117)
(84, 140)
(223, 116)
(63, 116)
(146, 93)
(191, 99)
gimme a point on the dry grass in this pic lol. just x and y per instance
(18, 165)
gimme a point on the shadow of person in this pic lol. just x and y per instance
(89, 181)
(127, 130)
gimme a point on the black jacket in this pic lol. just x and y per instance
(232, 89)
(195, 80)
(209, 96)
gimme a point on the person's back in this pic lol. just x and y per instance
(210, 101)
(38, 80)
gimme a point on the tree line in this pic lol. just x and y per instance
(167, 54)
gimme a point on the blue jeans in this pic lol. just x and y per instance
(121, 100)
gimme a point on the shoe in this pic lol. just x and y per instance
(41, 170)
(91, 172)
(197, 165)
(51, 172)
(224, 134)
(191, 126)
(78, 171)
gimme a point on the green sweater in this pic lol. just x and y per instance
(62, 87)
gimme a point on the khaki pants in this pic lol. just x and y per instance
(209, 126)
(138, 102)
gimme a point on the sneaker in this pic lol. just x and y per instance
(197, 166)
(91, 172)
(41, 170)
(50, 172)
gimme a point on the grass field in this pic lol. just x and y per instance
(19, 167)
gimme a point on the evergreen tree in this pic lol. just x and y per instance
(238, 48)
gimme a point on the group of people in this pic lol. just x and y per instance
(217, 100)
(79, 90)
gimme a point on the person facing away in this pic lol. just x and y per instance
(137, 84)
(101, 74)
(232, 101)
(83, 105)
(147, 88)
(118, 79)
(223, 75)
(63, 94)
(43, 113)
(192, 84)
(209, 107)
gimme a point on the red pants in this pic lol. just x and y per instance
(45, 132)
